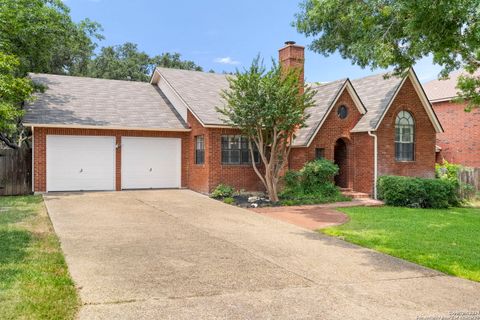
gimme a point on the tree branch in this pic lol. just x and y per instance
(8, 142)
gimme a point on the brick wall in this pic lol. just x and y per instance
(363, 162)
(198, 174)
(332, 129)
(40, 165)
(424, 163)
(238, 176)
(460, 142)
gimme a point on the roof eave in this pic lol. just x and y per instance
(76, 126)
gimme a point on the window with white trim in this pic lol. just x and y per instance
(404, 137)
(199, 150)
(235, 150)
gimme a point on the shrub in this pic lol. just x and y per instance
(229, 200)
(312, 184)
(417, 192)
(317, 173)
(450, 171)
(222, 191)
(447, 170)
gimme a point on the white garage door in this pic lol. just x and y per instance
(80, 163)
(151, 163)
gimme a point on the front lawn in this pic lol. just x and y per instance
(447, 240)
(34, 279)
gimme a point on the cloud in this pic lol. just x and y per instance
(226, 60)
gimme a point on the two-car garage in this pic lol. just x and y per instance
(76, 163)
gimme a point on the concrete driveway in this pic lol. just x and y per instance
(176, 254)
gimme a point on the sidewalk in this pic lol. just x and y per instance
(315, 217)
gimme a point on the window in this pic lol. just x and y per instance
(319, 153)
(342, 112)
(199, 150)
(235, 150)
(404, 137)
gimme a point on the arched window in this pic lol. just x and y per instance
(404, 137)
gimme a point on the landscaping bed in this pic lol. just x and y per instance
(443, 239)
(34, 279)
(313, 184)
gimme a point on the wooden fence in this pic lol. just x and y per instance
(15, 171)
(470, 176)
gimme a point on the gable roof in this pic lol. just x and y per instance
(376, 93)
(325, 98)
(91, 102)
(444, 90)
(200, 91)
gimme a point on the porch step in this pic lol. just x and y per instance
(354, 194)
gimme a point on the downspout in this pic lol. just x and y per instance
(375, 163)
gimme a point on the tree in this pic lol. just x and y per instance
(385, 33)
(14, 91)
(267, 107)
(173, 60)
(123, 62)
(43, 36)
(126, 62)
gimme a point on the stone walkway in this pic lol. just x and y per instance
(315, 217)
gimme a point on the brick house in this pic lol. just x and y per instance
(460, 143)
(97, 134)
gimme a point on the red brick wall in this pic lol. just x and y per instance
(198, 173)
(332, 129)
(40, 165)
(424, 163)
(460, 142)
(204, 178)
(363, 162)
(238, 176)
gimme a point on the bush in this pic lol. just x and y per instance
(447, 170)
(450, 171)
(229, 200)
(222, 191)
(418, 192)
(317, 173)
(311, 185)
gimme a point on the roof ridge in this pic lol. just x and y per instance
(373, 75)
(196, 71)
(328, 83)
(85, 77)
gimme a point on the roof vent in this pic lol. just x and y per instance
(289, 43)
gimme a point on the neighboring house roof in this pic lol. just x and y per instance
(200, 91)
(90, 102)
(444, 90)
(376, 93)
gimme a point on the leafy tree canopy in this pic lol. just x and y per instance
(385, 33)
(126, 62)
(43, 36)
(268, 108)
(14, 91)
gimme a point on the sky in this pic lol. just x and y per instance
(218, 34)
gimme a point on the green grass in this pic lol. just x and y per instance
(34, 279)
(447, 240)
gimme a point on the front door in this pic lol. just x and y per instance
(341, 160)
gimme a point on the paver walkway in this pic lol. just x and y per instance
(315, 217)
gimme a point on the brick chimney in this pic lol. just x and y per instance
(293, 56)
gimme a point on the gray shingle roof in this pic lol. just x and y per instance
(376, 92)
(326, 94)
(100, 102)
(200, 90)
